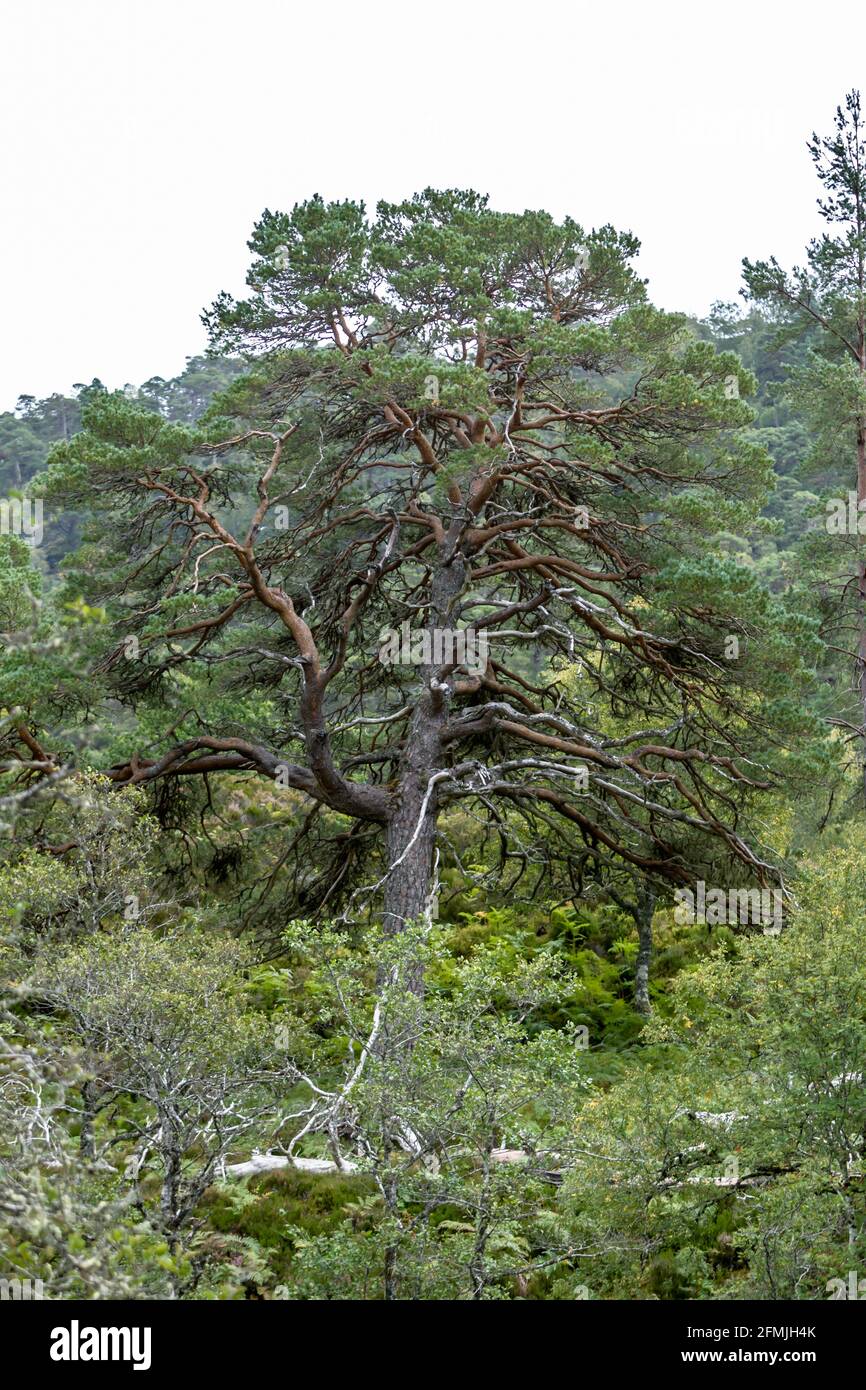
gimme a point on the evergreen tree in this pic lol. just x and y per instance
(450, 537)
(824, 304)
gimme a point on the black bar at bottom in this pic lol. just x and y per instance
(228, 1339)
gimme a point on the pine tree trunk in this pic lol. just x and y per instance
(411, 833)
(410, 839)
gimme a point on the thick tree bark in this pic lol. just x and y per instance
(411, 834)
(411, 831)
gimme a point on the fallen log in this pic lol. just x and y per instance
(271, 1163)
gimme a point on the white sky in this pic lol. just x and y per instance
(143, 139)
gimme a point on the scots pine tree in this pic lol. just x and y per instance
(446, 544)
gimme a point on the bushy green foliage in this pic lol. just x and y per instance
(743, 1139)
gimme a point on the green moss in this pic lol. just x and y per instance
(313, 1202)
